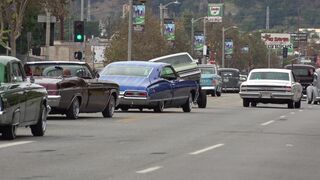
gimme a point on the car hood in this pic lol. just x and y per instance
(128, 83)
(267, 83)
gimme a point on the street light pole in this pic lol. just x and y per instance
(223, 39)
(161, 8)
(192, 38)
(204, 39)
(130, 31)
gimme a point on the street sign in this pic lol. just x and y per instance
(43, 19)
(214, 19)
(296, 37)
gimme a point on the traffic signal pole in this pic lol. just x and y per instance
(81, 18)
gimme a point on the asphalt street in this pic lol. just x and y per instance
(225, 141)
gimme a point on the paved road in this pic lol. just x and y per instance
(224, 141)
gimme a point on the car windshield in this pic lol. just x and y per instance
(207, 70)
(229, 73)
(283, 76)
(57, 70)
(127, 70)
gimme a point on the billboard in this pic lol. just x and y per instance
(228, 47)
(215, 12)
(169, 29)
(276, 40)
(198, 41)
(138, 20)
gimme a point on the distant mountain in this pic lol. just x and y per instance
(248, 14)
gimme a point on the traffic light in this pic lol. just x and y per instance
(285, 52)
(78, 31)
(78, 55)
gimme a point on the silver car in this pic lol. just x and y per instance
(277, 86)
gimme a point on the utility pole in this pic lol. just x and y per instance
(192, 36)
(130, 30)
(48, 18)
(204, 61)
(82, 43)
(267, 27)
(89, 11)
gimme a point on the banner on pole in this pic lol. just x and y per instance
(138, 21)
(198, 41)
(215, 12)
(169, 29)
(228, 48)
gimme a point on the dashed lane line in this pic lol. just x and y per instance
(267, 123)
(206, 149)
(15, 144)
(148, 170)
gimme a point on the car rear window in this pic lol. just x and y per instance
(207, 70)
(229, 74)
(269, 76)
(177, 61)
(139, 71)
(303, 71)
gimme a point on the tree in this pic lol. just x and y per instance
(59, 9)
(12, 14)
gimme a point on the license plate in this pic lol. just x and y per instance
(265, 94)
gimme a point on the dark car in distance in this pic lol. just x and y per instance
(303, 74)
(74, 88)
(230, 79)
(22, 103)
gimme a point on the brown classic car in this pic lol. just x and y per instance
(22, 103)
(74, 88)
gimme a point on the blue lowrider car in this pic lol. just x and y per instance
(150, 85)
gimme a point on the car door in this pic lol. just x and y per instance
(97, 93)
(179, 87)
(19, 89)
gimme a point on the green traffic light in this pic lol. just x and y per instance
(79, 37)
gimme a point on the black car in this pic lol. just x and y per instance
(303, 74)
(230, 79)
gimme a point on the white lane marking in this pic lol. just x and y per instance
(149, 170)
(282, 117)
(292, 113)
(206, 149)
(267, 123)
(300, 110)
(15, 144)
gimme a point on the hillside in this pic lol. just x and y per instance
(248, 14)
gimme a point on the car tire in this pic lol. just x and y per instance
(187, 107)
(213, 94)
(218, 93)
(39, 129)
(245, 103)
(9, 132)
(315, 102)
(253, 104)
(74, 109)
(297, 104)
(109, 110)
(290, 104)
(202, 99)
(309, 102)
(159, 107)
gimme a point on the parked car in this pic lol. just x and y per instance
(22, 103)
(210, 80)
(150, 85)
(304, 75)
(187, 69)
(230, 79)
(278, 86)
(73, 88)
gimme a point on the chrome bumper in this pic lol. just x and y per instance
(134, 101)
(266, 95)
(54, 100)
(208, 88)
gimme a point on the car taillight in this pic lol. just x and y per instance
(214, 82)
(288, 88)
(136, 94)
(53, 89)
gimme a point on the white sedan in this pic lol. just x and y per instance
(277, 86)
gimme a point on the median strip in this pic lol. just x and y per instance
(145, 171)
(15, 144)
(206, 149)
